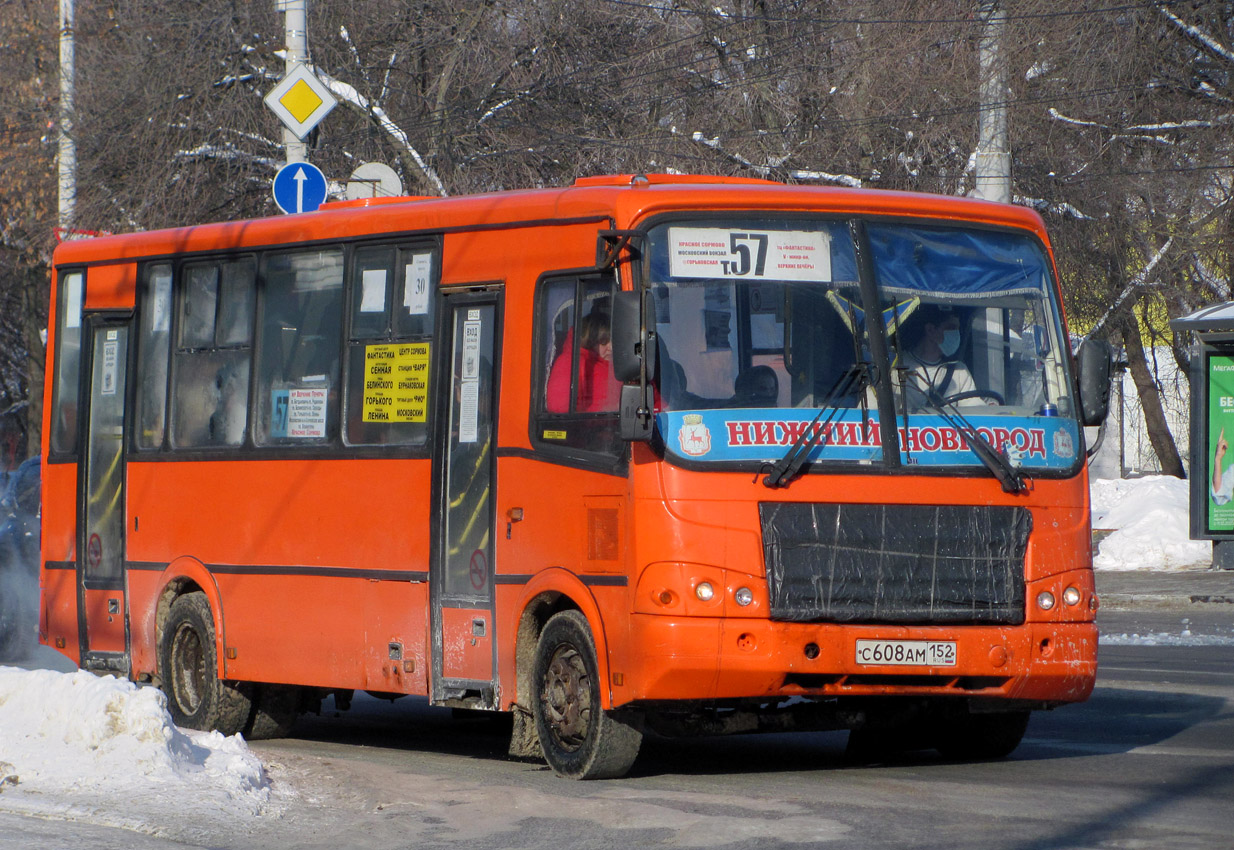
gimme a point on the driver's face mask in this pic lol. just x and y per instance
(951, 342)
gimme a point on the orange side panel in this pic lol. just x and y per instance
(496, 255)
(467, 636)
(58, 603)
(105, 619)
(58, 612)
(59, 540)
(111, 287)
(308, 557)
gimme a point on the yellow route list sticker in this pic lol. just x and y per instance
(396, 382)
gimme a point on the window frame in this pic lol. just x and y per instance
(540, 419)
(179, 356)
(59, 453)
(403, 250)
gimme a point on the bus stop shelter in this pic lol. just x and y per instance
(1212, 428)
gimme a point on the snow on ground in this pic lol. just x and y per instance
(1149, 519)
(73, 744)
(1183, 638)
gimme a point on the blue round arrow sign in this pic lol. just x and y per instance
(299, 187)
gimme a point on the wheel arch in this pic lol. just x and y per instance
(182, 576)
(550, 592)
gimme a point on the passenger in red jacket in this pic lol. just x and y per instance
(597, 389)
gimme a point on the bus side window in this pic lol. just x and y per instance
(389, 343)
(70, 294)
(578, 394)
(152, 352)
(298, 364)
(213, 355)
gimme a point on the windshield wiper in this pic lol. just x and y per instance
(1012, 479)
(852, 380)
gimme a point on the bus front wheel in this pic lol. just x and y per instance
(579, 739)
(188, 662)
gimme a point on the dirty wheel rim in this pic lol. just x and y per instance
(189, 668)
(566, 698)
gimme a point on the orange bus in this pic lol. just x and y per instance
(649, 452)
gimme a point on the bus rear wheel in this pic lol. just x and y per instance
(188, 662)
(275, 709)
(982, 737)
(579, 739)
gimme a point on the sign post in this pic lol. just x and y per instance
(299, 187)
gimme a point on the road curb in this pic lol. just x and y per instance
(1127, 602)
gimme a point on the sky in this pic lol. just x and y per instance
(72, 744)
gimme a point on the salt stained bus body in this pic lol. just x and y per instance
(682, 454)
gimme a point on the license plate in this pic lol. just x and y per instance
(916, 653)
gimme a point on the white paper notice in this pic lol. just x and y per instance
(469, 412)
(111, 362)
(715, 252)
(471, 350)
(418, 274)
(373, 292)
(306, 413)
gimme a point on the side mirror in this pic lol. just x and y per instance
(629, 348)
(1095, 361)
(636, 418)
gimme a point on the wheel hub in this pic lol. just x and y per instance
(566, 698)
(188, 674)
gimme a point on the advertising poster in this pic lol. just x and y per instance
(396, 382)
(1220, 474)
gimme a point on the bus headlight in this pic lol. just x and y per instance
(1071, 597)
(1045, 600)
(704, 591)
(744, 596)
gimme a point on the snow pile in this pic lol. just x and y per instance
(1184, 638)
(1149, 517)
(74, 743)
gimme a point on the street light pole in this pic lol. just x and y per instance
(295, 25)
(67, 160)
(993, 165)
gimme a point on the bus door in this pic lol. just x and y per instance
(102, 612)
(461, 576)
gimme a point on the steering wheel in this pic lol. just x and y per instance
(987, 394)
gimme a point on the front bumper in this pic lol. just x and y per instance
(712, 658)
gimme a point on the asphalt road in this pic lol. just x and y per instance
(1148, 762)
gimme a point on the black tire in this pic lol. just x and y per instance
(579, 740)
(188, 664)
(881, 743)
(983, 737)
(275, 709)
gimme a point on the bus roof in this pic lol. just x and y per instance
(623, 199)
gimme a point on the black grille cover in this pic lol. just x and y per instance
(895, 563)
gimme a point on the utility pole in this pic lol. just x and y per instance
(295, 25)
(993, 165)
(67, 160)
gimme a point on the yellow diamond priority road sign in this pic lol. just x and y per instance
(300, 100)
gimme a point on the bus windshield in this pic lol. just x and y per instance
(764, 339)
